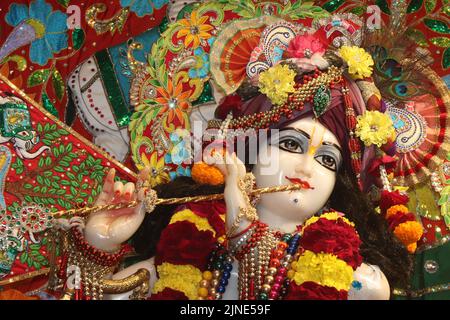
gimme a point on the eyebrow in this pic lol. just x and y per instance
(325, 143)
(298, 130)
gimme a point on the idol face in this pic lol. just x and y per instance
(306, 153)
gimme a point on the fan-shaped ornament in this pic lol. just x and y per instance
(423, 136)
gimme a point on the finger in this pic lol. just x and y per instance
(241, 167)
(128, 191)
(108, 189)
(118, 190)
(231, 165)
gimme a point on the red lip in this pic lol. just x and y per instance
(299, 181)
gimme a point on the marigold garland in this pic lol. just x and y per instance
(184, 278)
(203, 173)
(395, 210)
(324, 269)
(332, 215)
(200, 223)
(409, 232)
(401, 222)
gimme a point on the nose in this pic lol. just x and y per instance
(304, 166)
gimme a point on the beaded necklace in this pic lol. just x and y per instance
(264, 258)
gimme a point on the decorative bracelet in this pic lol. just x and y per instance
(92, 264)
(100, 257)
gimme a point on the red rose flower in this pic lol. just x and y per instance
(313, 291)
(231, 103)
(182, 243)
(390, 199)
(168, 294)
(334, 237)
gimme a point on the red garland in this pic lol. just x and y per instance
(334, 237)
(399, 218)
(390, 199)
(313, 291)
(182, 243)
(168, 294)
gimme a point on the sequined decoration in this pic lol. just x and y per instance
(113, 24)
(437, 26)
(431, 266)
(333, 5)
(410, 127)
(78, 37)
(206, 95)
(322, 100)
(48, 105)
(414, 5)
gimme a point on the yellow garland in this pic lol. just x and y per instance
(184, 278)
(203, 173)
(276, 83)
(374, 127)
(334, 215)
(359, 61)
(324, 269)
(394, 209)
(200, 223)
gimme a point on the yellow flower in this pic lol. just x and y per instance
(276, 83)
(194, 29)
(201, 224)
(184, 278)
(359, 62)
(375, 127)
(325, 269)
(158, 171)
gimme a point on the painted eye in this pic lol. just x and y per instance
(291, 145)
(327, 161)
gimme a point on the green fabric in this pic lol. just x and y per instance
(423, 279)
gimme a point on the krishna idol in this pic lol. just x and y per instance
(308, 86)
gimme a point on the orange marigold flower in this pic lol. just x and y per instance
(206, 174)
(409, 232)
(398, 208)
(412, 247)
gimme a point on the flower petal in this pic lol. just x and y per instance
(17, 13)
(142, 8)
(202, 20)
(126, 3)
(57, 41)
(40, 52)
(205, 27)
(40, 10)
(159, 3)
(182, 33)
(56, 22)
